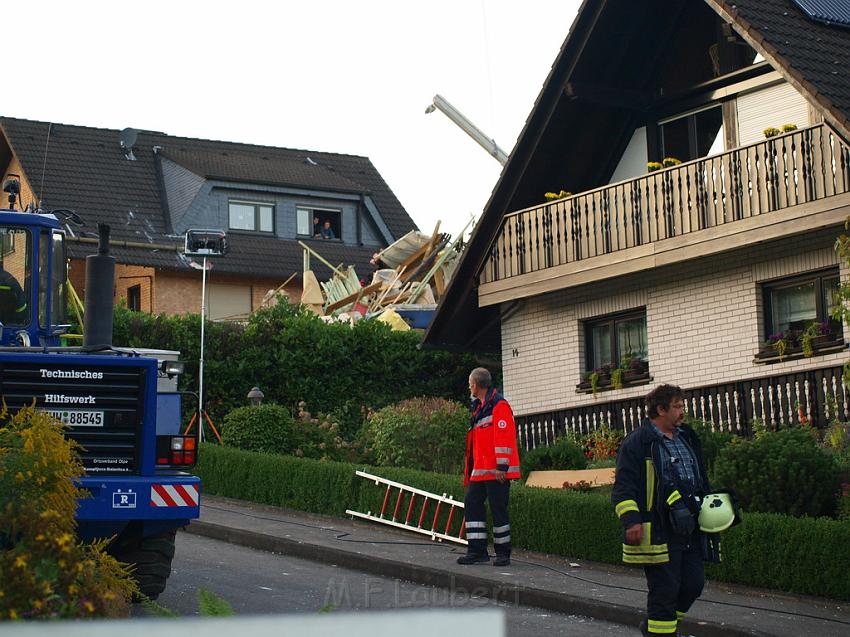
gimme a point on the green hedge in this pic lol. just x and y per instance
(800, 555)
(292, 356)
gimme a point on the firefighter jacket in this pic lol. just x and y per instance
(491, 444)
(645, 488)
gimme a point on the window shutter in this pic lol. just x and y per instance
(772, 106)
(228, 301)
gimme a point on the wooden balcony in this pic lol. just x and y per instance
(781, 186)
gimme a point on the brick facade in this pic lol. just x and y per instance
(170, 292)
(704, 325)
(27, 196)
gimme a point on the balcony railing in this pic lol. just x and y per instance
(788, 170)
(817, 397)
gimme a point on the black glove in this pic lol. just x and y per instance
(681, 519)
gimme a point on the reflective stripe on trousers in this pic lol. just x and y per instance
(496, 493)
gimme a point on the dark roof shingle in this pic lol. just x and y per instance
(86, 171)
(812, 54)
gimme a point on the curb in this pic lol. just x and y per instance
(430, 576)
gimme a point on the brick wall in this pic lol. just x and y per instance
(16, 261)
(172, 292)
(128, 276)
(27, 192)
(178, 293)
(704, 325)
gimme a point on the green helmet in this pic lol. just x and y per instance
(718, 512)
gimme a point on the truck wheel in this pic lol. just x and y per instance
(151, 557)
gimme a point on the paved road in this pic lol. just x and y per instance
(256, 582)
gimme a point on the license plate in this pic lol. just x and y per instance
(78, 417)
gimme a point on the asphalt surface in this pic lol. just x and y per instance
(555, 584)
(258, 582)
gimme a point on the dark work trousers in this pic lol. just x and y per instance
(674, 586)
(476, 517)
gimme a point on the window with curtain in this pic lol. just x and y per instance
(611, 339)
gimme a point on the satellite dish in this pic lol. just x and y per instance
(128, 138)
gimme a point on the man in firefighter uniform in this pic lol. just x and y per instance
(660, 479)
(492, 461)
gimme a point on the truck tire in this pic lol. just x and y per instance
(151, 556)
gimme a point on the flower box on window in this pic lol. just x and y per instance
(632, 371)
(817, 339)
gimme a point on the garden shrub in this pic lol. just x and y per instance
(427, 434)
(842, 509)
(45, 572)
(781, 472)
(712, 441)
(266, 428)
(562, 455)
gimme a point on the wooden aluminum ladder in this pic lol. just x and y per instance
(438, 530)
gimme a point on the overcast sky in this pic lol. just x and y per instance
(349, 76)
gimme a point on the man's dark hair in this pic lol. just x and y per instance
(662, 396)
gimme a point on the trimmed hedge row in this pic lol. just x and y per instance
(801, 555)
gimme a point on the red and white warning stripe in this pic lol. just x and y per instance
(174, 495)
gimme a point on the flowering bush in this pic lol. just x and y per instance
(787, 128)
(320, 436)
(601, 444)
(44, 571)
(770, 131)
(552, 196)
(582, 486)
(653, 166)
(669, 162)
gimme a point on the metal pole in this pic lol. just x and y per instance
(201, 367)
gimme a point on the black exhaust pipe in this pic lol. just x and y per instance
(100, 283)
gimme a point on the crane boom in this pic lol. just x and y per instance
(468, 127)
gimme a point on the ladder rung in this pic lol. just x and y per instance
(398, 485)
(432, 534)
(427, 497)
(398, 504)
(422, 515)
(386, 499)
(410, 509)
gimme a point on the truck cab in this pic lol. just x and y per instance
(119, 404)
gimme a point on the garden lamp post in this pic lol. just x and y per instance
(255, 396)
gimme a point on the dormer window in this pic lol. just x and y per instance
(319, 223)
(251, 216)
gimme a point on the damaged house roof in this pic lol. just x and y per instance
(85, 169)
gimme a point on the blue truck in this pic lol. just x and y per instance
(120, 405)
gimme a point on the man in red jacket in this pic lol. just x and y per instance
(492, 461)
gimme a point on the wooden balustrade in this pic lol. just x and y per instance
(815, 397)
(795, 168)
